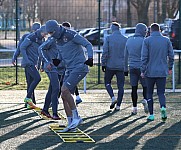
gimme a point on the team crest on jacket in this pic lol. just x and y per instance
(65, 39)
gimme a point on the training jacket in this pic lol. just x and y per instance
(113, 51)
(157, 55)
(17, 52)
(47, 52)
(29, 48)
(70, 45)
(133, 51)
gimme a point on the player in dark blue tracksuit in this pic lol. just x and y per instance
(133, 59)
(51, 58)
(29, 51)
(34, 27)
(113, 63)
(70, 45)
(157, 62)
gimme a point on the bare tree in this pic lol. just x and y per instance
(129, 16)
(114, 12)
(142, 9)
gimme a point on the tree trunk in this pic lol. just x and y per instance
(129, 17)
(114, 13)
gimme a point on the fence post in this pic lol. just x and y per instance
(99, 43)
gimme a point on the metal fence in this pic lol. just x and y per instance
(17, 16)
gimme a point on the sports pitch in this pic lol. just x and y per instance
(112, 130)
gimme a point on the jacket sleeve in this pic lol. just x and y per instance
(105, 53)
(170, 55)
(85, 43)
(25, 44)
(144, 56)
(17, 52)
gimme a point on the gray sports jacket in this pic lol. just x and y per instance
(113, 51)
(29, 49)
(157, 55)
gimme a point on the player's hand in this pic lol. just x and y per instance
(89, 62)
(103, 68)
(126, 73)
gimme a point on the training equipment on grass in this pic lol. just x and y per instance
(77, 136)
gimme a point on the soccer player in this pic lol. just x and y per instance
(133, 59)
(51, 57)
(70, 45)
(157, 62)
(78, 100)
(29, 51)
(113, 63)
(35, 26)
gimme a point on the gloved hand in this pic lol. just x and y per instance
(103, 68)
(56, 62)
(126, 73)
(89, 62)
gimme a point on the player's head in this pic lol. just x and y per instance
(115, 26)
(43, 31)
(35, 26)
(51, 26)
(141, 29)
(66, 25)
(155, 27)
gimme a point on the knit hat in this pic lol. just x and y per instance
(115, 26)
(35, 26)
(141, 29)
(43, 29)
(51, 26)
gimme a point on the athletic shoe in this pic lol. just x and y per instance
(75, 122)
(145, 105)
(117, 108)
(47, 114)
(67, 130)
(78, 101)
(30, 105)
(150, 118)
(134, 112)
(113, 104)
(163, 113)
(56, 117)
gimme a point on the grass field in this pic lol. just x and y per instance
(112, 130)
(8, 80)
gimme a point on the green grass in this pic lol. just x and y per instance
(8, 80)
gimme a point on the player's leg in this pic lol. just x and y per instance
(150, 88)
(134, 78)
(144, 101)
(33, 72)
(68, 88)
(161, 83)
(107, 81)
(78, 100)
(120, 84)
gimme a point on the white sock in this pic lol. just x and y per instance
(75, 113)
(77, 97)
(69, 119)
(135, 108)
